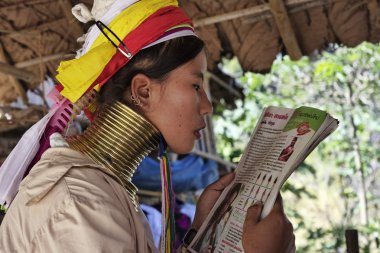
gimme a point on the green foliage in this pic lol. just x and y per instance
(2, 213)
(338, 185)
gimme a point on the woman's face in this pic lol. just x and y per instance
(180, 103)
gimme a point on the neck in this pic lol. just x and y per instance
(118, 139)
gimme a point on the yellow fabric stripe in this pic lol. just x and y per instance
(78, 74)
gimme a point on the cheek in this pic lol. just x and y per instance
(178, 120)
(179, 130)
(181, 111)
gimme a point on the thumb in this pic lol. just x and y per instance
(251, 219)
(253, 214)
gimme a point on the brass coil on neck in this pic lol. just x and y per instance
(118, 139)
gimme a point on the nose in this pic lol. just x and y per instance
(206, 106)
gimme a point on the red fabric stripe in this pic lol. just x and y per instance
(149, 31)
(59, 87)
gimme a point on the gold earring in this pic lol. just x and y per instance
(135, 100)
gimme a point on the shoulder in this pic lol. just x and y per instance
(70, 174)
(85, 225)
(69, 201)
(70, 171)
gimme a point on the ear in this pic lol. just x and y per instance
(141, 87)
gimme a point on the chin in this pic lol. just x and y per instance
(181, 149)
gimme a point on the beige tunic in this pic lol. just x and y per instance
(70, 204)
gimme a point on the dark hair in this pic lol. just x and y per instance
(155, 62)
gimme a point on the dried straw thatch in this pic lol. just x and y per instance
(256, 31)
(34, 35)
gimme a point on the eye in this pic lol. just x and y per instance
(196, 87)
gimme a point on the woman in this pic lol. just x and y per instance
(78, 197)
(288, 151)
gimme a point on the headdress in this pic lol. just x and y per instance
(122, 28)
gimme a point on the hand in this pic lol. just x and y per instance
(273, 234)
(208, 198)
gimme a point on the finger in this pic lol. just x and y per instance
(213, 191)
(278, 206)
(209, 197)
(253, 214)
(222, 183)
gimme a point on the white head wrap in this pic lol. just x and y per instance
(103, 10)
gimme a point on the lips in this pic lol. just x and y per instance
(197, 132)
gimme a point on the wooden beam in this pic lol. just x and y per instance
(13, 81)
(213, 157)
(18, 73)
(74, 26)
(285, 28)
(232, 15)
(34, 29)
(24, 4)
(224, 84)
(254, 11)
(39, 60)
(294, 9)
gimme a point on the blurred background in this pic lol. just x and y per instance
(338, 186)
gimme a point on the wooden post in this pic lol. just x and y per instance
(210, 137)
(374, 18)
(352, 241)
(285, 28)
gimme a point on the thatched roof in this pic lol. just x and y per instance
(256, 31)
(36, 34)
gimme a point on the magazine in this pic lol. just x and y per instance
(282, 139)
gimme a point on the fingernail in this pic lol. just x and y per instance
(258, 203)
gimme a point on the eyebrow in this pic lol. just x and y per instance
(199, 75)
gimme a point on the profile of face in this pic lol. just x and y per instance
(177, 105)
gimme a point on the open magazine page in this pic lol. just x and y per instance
(278, 141)
(329, 125)
(229, 211)
(299, 133)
